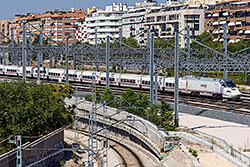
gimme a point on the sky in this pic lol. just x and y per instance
(9, 8)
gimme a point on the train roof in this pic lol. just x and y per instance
(201, 79)
(56, 70)
(11, 67)
(169, 79)
(130, 76)
(89, 72)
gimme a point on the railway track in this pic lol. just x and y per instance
(241, 107)
(126, 155)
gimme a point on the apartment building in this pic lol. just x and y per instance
(59, 24)
(105, 23)
(203, 2)
(80, 30)
(5, 30)
(236, 14)
(133, 21)
(162, 20)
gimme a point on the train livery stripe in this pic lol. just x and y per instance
(189, 90)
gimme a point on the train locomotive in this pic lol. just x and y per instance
(196, 86)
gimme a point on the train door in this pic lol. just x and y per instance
(119, 79)
(140, 84)
(186, 87)
(112, 79)
(160, 83)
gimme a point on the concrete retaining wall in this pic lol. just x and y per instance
(39, 149)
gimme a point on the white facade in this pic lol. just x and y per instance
(133, 24)
(163, 20)
(134, 21)
(105, 23)
(81, 30)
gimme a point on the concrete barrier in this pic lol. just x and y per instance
(140, 128)
(215, 148)
(37, 150)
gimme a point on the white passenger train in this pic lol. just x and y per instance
(217, 88)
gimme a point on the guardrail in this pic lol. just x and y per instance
(142, 129)
(236, 159)
(225, 146)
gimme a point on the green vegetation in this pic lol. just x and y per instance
(164, 44)
(193, 152)
(36, 41)
(206, 39)
(31, 109)
(139, 104)
(128, 41)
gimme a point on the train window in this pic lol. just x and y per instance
(229, 83)
(1, 69)
(10, 70)
(28, 72)
(133, 81)
(112, 79)
(103, 78)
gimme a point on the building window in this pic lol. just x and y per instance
(56, 18)
(68, 28)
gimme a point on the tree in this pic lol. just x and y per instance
(138, 100)
(132, 42)
(31, 109)
(206, 39)
(163, 44)
(109, 98)
(6, 43)
(139, 104)
(234, 47)
(36, 41)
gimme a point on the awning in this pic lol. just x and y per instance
(241, 32)
(237, 40)
(231, 41)
(216, 15)
(247, 32)
(221, 40)
(222, 31)
(214, 40)
(209, 15)
(238, 23)
(215, 32)
(225, 14)
(216, 23)
(231, 24)
(223, 22)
